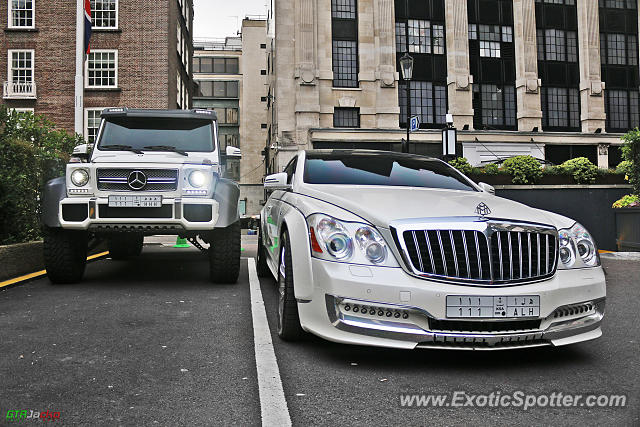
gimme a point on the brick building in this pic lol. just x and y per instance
(554, 79)
(140, 57)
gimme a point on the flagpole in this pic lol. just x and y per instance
(79, 80)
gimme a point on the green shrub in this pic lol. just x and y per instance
(624, 168)
(631, 153)
(523, 169)
(461, 164)
(32, 151)
(629, 200)
(582, 170)
(492, 169)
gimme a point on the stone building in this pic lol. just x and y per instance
(140, 57)
(555, 79)
(231, 77)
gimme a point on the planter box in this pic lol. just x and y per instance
(628, 229)
(504, 179)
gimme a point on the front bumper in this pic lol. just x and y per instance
(175, 215)
(401, 311)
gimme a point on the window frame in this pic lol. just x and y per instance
(10, 53)
(86, 70)
(350, 80)
(86, 123)
(10, 16)
(117, 18)
(355, 110)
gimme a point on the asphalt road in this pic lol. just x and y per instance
(152, 342)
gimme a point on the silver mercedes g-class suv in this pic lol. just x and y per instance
(151, 172)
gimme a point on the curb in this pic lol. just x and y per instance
(38, 274)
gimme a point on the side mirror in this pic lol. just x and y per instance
(277, 181)
(233, 151)
(487, 188)
(81, 152)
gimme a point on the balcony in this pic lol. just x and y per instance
(19, 90)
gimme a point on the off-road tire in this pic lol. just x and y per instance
(289, 328)
(123, 246)
(224, 254)
(65, 254)
(261, 259)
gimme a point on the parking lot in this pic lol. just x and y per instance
(152, 342)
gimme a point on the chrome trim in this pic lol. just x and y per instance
(415, 242)
(466, 253)
(455, 255)
(409, 331)
(491, 229)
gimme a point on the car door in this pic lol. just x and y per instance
(273, 210)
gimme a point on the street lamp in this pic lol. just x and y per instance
(406, 65)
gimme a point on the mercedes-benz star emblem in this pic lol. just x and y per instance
(483, 209)
(137, 180)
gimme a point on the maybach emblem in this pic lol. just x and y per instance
(137, 180)
(483, 209)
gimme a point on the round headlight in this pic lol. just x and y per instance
(371, 244)
(565, 255)
(587, 251)
(80, 177)
(197, 179)
(339, 245)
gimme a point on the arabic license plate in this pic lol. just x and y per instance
(462, 306)
(135, 201)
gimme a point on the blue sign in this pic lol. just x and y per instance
(414, 123)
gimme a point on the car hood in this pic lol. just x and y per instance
(381, 205)
(163, 157)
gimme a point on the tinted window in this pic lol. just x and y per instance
(183, 134)
(388, 169)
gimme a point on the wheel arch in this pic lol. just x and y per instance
(227, 194)
(54, 191)
(295, 224)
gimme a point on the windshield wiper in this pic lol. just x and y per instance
(117, 147)
(165, 148)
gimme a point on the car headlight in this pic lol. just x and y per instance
(577, 249)
(335, 240)
(197, 179)
(80, 177)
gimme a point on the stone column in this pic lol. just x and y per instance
(387, 108)
(603, 156)
(592, 113)
(459, 78)
(529, 112)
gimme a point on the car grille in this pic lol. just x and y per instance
(157, 179)
(490, 257)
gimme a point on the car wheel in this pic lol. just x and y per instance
(65, 254)
(261, 259)
(123, 246)
(224, 254)
(289, 328)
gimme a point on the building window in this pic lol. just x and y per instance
(21, 68)
(215, 65)
(421, 36)
(91, 124)
(618, 4)
(560, 108)
(104, 14)
(344, 43)
(498, 105)
(227, 115)
(230, 140)
(428, 101)
(102, 69)
(490, 37)
(557, 45)
(346, 117)
(622, 109)
(619, 49)
(21, 14)
(218, 89)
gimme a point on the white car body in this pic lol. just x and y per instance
(407, 308)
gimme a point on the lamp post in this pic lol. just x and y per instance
(406, 65)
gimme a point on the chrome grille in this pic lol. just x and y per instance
(157, 179)
(499, 254)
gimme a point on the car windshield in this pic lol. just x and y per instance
(382, 169)
(160, 134)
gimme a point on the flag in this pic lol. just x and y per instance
(87, 25)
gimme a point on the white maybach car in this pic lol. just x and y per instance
(398, 250)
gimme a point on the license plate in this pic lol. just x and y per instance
(459, 306)
(135, 201)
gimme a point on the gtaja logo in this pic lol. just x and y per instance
(483, 209)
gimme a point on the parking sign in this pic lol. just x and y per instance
(414, 123)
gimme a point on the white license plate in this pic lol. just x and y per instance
(135, 201)
(493, 306)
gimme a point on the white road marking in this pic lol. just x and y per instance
(273, 405)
